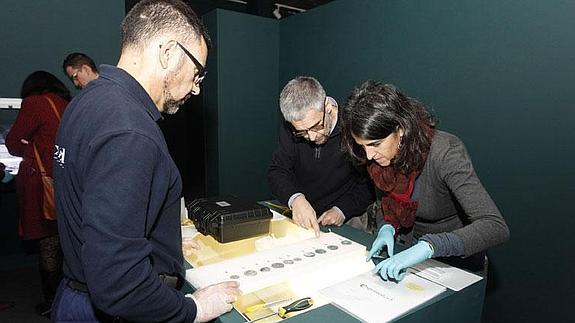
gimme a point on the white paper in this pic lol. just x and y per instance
(371, 299)
(445, 275)
(12, 163)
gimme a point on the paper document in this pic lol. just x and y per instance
(371, 299)
(445, 275)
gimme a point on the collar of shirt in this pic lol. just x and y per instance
(131, 85)
(333, 102)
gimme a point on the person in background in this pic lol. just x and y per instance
(44, 98)
(429, 196)
(117, 188)
(80, 69)
(309, 173)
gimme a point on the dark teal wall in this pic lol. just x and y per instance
(210, 105)
(37, 35)
(499, 75)
(240, 102)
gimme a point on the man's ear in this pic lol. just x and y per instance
(87, 70)
(327, 103)
(166, 53)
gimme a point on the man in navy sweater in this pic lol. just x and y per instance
(309, 172)
(117, 188)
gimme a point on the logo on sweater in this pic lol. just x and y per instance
(59, 155)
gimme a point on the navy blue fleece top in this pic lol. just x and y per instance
(117, 193)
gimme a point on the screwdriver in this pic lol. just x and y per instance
(299, 305)
(257, 307)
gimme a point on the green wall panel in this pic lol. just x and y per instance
(37, 35)
(210, 106)
(241, 103)
(499, 75)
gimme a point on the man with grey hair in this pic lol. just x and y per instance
(309, 172)
(118, 190)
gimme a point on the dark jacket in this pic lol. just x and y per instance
(118, 199)
(324, 174)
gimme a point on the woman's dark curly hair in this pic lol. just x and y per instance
(375, 110)
(41, 82)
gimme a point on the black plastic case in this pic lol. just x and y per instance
(229, 218)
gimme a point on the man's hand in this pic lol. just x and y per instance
(331, 217)
(215, 300)
(304, 215)
(189, 246)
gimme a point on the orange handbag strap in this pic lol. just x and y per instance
(40, 164)
(38, 160)
(53, 107)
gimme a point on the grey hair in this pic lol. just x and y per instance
(299, 96)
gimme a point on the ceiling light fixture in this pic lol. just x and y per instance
(277, 13)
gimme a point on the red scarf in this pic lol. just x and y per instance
(396, 203)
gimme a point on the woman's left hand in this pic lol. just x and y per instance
(394, 267)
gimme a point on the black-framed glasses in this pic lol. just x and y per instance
(319, 126)
(202, 71)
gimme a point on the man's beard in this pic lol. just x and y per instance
(171, 105)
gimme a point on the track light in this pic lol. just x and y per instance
(277, 13)
(288, 10)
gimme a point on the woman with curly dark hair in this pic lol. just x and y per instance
(44, 98)
(429, 196)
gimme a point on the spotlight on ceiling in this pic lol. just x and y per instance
(277, 13)
(282, 10)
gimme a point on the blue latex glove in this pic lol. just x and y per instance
(395, 267)
(384, 238)
(7, 177)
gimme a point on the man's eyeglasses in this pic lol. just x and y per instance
(319, 126)
(202, 71)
